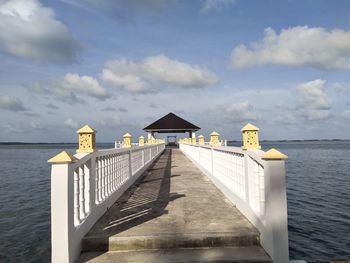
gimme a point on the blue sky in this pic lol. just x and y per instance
(120, 65)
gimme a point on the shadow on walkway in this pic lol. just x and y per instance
(144, 201)
(151, 224)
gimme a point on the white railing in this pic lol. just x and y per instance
(256, 186)
(83, 190)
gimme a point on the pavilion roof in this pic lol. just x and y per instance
(171, 123)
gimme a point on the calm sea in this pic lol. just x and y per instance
(318, 192)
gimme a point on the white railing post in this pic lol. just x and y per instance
(276, 209)
(61, 206)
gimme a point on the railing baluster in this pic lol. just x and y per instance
(76, 198)
(100, 179)
(113, 174)
(105, 177)
(118, 170)
(108, 176)
(81, 193)
(97, 190)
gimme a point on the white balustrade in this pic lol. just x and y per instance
(256, 186)
(83, 190)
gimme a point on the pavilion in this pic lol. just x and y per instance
(171, 123)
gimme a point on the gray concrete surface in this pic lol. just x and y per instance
(172, 206)
(216, 254)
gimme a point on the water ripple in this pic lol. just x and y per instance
(318, 194)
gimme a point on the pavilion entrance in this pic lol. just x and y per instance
(171, 140)
(171, 123)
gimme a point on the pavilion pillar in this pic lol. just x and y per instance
(193, 138)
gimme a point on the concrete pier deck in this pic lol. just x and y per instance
(173, 213)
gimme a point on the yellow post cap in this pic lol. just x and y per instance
(86, 129)
(201, 136)
(62, 157)
(273, 154)
(250, 127)
(214, 133)
(141, 137)
(126, 135)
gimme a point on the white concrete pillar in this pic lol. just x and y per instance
(276, 205)
(62, 220)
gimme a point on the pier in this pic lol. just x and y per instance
(146, 202)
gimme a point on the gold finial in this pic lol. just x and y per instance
(141, 141)
(127, 140)
(87, 140)
(214, 139)
(250, 137)
(193, 139)
(201, 139)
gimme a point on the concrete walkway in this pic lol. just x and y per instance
(172, 207)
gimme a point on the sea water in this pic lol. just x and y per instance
(318, 194)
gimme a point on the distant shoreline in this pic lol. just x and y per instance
(46, 143)
(309, 140)
(229, 141)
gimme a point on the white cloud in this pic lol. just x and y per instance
(301, 45)
(71, 87)
(236, 112)
(30, 30)
(346, 114)
(70, 123)
(216, 5)
(84, 84)
(154, 71)
(312, 104)
(11, 103)
(312, 101)
(123, 74)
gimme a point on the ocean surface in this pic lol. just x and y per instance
(318, 193)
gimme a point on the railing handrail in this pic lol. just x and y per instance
(134, 147)
(255, 154)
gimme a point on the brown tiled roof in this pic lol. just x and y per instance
(171, 123)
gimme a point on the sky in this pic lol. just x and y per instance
(120, 65)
